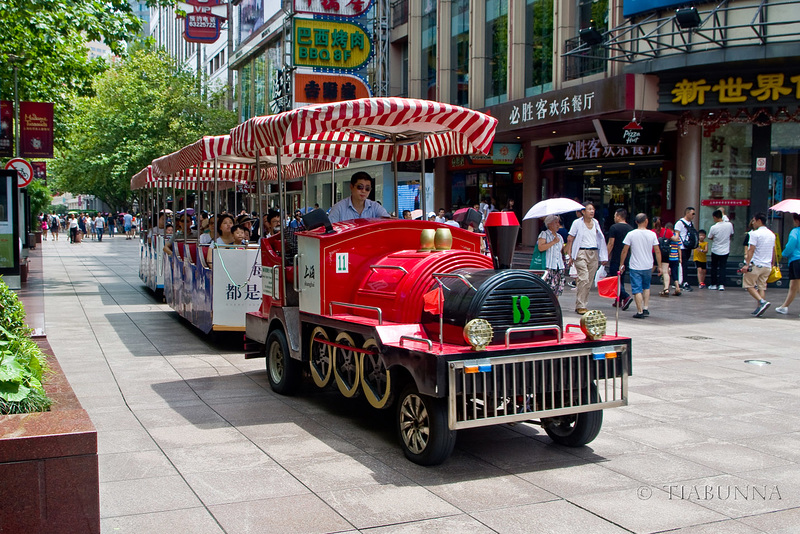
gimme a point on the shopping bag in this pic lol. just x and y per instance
(774, 274)
(600, 274)
(538, 262)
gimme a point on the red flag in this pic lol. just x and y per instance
(607, 287)
(433, 301)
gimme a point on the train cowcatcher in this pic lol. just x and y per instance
(411, 315)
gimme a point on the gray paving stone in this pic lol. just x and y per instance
(372, 506)
(194, 520)
(145, 495)
(131, 440)
(205, 458)
(240, 485)
(306, 514)
(553, 517)
(133, 465)
(458, 524)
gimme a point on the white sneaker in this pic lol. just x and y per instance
(782, 310)
(721, 288)
(713, 288)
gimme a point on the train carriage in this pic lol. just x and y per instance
(411, 314)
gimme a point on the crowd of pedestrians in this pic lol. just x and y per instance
(666, 250)
(80, 227)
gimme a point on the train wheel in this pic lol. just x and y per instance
(345, 366)
(320, 357)
(575, 430)
(284, 373)
(376, 381)
(422, 424)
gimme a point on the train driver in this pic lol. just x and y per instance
(357, 205)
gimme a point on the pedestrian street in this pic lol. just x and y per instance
(192, 439)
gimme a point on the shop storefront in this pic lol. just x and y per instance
(497, 176)
(570, 150)
(748, 142)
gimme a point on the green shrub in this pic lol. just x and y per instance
(22, 362)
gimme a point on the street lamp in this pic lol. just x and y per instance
(15, 61)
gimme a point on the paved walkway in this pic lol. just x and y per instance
(192, 439)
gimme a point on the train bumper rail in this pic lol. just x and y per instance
(506, 389)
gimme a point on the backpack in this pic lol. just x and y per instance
(692, 237)
(663, 244)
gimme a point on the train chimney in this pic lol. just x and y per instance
(502, 228)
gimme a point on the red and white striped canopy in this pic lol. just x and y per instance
(368, 128)
(200, 177)
(202, 153)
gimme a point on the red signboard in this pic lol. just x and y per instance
(6, 129)
(322, 88)
(36, 129)
(200, 27)
(40, 170)
(725, 202)
(333, 8)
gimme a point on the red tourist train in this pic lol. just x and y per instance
(411, 315)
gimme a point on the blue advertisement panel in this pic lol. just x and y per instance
(635, 7)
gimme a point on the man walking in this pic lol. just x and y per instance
(616, 234)
(588, 248)
(720, 235)
(100, 226)
(682, 229)
(642, 244)
(128, 222)
(758, 262)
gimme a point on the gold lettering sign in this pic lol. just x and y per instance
(737, 89)
(327, 44)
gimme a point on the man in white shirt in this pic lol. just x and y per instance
(720, 235)
(642, 244)
(100, 226)
(758, 262)
(682, 229)
(441, 218)
(588, 248)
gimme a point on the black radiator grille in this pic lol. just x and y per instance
(498, 310)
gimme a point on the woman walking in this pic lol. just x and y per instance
(792, 254)
(551, 243)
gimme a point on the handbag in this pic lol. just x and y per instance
(538, 259)
(774, 274)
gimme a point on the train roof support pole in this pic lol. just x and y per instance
(257, 173)
(422, 203)
(282, 202)
(394, 174)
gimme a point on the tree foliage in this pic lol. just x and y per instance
(144, 107)
(50, 38)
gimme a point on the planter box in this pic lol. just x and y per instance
(49, 479)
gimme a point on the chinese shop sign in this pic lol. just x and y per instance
(333, 8)
(202, 25)
(329, 45)
(587, 100)
(322, 88)
(36, 129)
(593, 150)
(747, 90)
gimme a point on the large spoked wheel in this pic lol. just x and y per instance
(345, 366)
(320, 356)
(422, 424)
(376, 381)
(575, 430)
(283, 371)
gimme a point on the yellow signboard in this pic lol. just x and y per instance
(327, 44)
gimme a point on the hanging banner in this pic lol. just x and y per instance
(6, 129)
(36, 129)
(323, 88)
(333, 8)
(330, 46)
(40, 171)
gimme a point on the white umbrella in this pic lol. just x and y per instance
(552, 206)
(790, 205)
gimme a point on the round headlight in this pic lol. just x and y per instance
(593, 324)
(478, 333)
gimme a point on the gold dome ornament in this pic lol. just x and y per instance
(593, 324)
